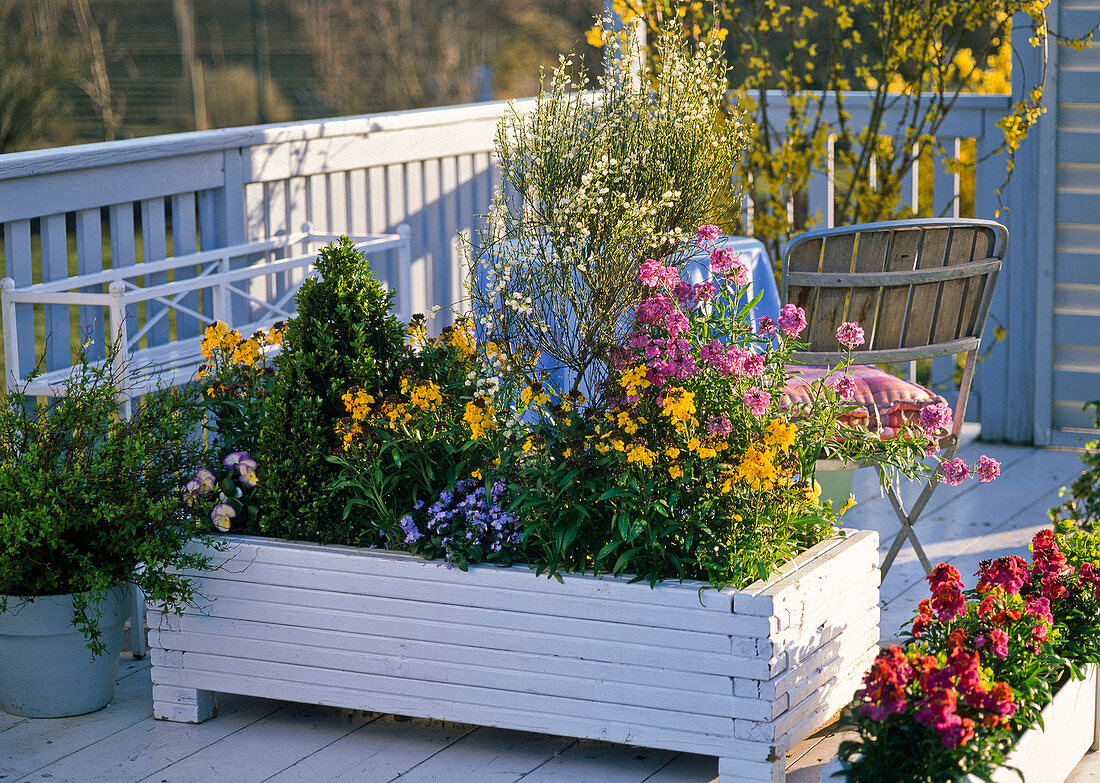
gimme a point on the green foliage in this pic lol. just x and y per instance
(1082, 510)
(90, 501)
(594, 182)
(343, 336)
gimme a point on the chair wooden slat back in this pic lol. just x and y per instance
(919, 288)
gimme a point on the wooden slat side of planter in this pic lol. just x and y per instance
(1046, 755)
(670, 667)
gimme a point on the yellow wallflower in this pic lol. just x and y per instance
(675, 471)
(425, 395)
(679, 404)
(639, 453)
(478, 417)
(780, 433)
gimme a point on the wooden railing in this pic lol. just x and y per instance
(81, 209)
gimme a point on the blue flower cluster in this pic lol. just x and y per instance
(464, 526)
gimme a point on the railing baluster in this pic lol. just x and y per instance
(55, 266)
(945, 186)
(184, 242)
(154, 247)
(89, 258)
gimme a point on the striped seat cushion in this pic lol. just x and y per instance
(885, 401)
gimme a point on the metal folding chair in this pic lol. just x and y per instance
(921, 289)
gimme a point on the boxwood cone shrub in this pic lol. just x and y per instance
(343, 336)
(86, 497)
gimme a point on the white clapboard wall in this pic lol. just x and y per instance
(742, 675)
(1065, 209)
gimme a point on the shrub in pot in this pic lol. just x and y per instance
(89, 502)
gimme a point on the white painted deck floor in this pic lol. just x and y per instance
(253, 740)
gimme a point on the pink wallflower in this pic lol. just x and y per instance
(722, 259)
(933, 418)
(752, 364)
(947, 596)
(685, 294)
(924, 618)
(1048, 558)
(884, 684)
(649, 273)
(1089, 575)
(719, 425)
(1039, 634)
(704, 291)
(792, 320)
(988, 469)
(1039, 608)
(757, 401)
(676, 323)
(850, 334)
(845, 387)
(652, 311)
(1010, 573)
(955, 471)
(766, 326)
(740, 274)
(707, 234)
(999, 640)
(1051, 588)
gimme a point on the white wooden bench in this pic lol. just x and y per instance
(231, 280)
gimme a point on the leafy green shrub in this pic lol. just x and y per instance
(87, 497)
(343, 336)
(1082, 509)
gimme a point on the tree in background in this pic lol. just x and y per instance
(396, 54)
(871, 59)
(36, 59)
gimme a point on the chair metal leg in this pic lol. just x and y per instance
(908, 520)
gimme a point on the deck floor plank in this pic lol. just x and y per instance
(376, 752)
(489, 755)
(588, 761)
(265, 747)
(32, 744)
(687, 768)
(151, 746)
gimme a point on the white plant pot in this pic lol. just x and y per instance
(1046, 755)
(46, 671)
(738, 674)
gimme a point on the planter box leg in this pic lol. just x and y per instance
(183, 705)
(137, 623)
(733, 770)
(1096, 719)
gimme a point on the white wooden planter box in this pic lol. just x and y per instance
(742, 675)
(1045, 755)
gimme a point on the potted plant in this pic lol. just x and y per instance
(962, 699)
(89, 503)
